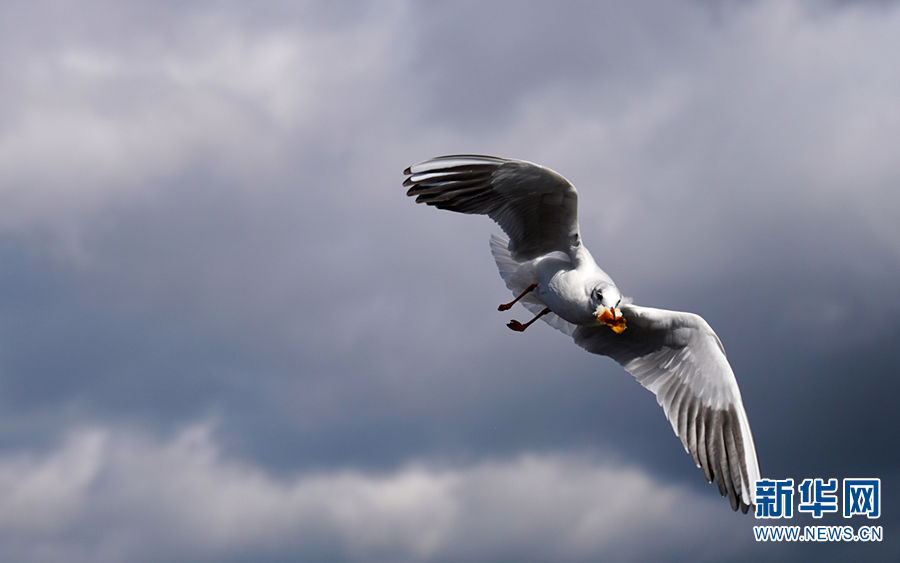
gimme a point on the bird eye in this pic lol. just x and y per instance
(597, 295)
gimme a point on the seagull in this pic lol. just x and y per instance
(675, 355)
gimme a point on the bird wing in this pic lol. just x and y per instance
(680, 359)
(535, 206)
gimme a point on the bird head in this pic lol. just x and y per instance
(606, 298)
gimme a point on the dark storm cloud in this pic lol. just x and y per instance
(220, 278)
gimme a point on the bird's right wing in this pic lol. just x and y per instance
(680, 359)
(535, 206)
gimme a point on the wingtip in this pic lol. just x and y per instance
(407, 171)
(735, 504)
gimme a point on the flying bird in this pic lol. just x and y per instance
(675, 355)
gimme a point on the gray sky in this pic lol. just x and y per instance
(226, 334)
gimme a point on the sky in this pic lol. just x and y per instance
(226, 334)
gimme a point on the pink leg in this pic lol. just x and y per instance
(519, 327)
(528, 290)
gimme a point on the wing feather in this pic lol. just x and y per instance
(679, 358)
(535, 206)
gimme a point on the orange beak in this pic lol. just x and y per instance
(610, 318)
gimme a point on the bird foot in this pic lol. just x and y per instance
(516, 326)
(507, 306)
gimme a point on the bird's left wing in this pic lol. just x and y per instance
(680, 359)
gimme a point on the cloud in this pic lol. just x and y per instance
(117, 494)
(103, 121)
(743, 120)
(201, 216)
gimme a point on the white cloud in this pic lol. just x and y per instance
(89, 122)
(45, 493)
(115, 494)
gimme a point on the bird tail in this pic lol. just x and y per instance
(505, 262)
